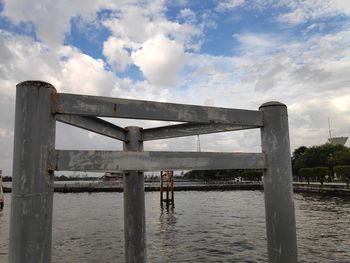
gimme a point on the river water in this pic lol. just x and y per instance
(203, 227)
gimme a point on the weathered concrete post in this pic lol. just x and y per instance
(32, 186)
(134, 204)
(278, 188)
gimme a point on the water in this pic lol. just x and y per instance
(203, 227)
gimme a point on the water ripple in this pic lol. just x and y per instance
(203, 227)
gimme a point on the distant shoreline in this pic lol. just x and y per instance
(327, 189)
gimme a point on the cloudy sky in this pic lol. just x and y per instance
(233, 53)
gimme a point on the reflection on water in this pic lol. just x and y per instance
(203, 227)
(165, 235)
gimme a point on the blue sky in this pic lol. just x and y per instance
(231, 53)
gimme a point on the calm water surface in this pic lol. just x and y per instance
(203, 227)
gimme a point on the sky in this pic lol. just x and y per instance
(231, 53)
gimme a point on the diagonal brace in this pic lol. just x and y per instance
(188, 129)
(94, 124)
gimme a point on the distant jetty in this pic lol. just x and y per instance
(207, 187)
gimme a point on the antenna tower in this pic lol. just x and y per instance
(329, 128)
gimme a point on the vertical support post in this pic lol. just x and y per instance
(32, 186)
(278, 188)
(172, 188)
(134, 204)
(161, 188)
(167, 188)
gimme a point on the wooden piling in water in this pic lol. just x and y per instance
(168, 178)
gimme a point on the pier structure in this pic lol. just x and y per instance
(39, 106)
(167, 186)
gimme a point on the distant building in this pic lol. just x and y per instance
(338, 140)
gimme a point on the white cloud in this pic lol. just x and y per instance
(142, 90)
(160, 59)
(257, 45)
(187, 15)
(135, 26)
(66, 68)
(83, 74)
(303, 11)
(132, 23)
(293, 11)
(115, 50)
(256, 41)
(229, 5)
(342, 103)
(51, 19)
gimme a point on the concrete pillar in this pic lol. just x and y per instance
(278, 188)
(32, 186)
(134, 204)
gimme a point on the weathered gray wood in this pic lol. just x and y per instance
(134, 204)
(154, 161)
(93, 124)
(32, 186)
(150, 110)
(278, 188)
(188, 129)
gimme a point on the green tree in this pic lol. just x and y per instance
(320, 172)
(344, 172)
(326, 155)
(306, 173)
(297, 160)
(319, 155)
(342, 157)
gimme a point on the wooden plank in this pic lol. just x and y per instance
(94, 124)
(188, 129)
(99, 161)
(150, 110)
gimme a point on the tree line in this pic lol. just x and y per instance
(322, 162)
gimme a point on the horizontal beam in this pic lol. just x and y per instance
(150, 110)
(100, 161)
(94, 124)
(188, 129)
